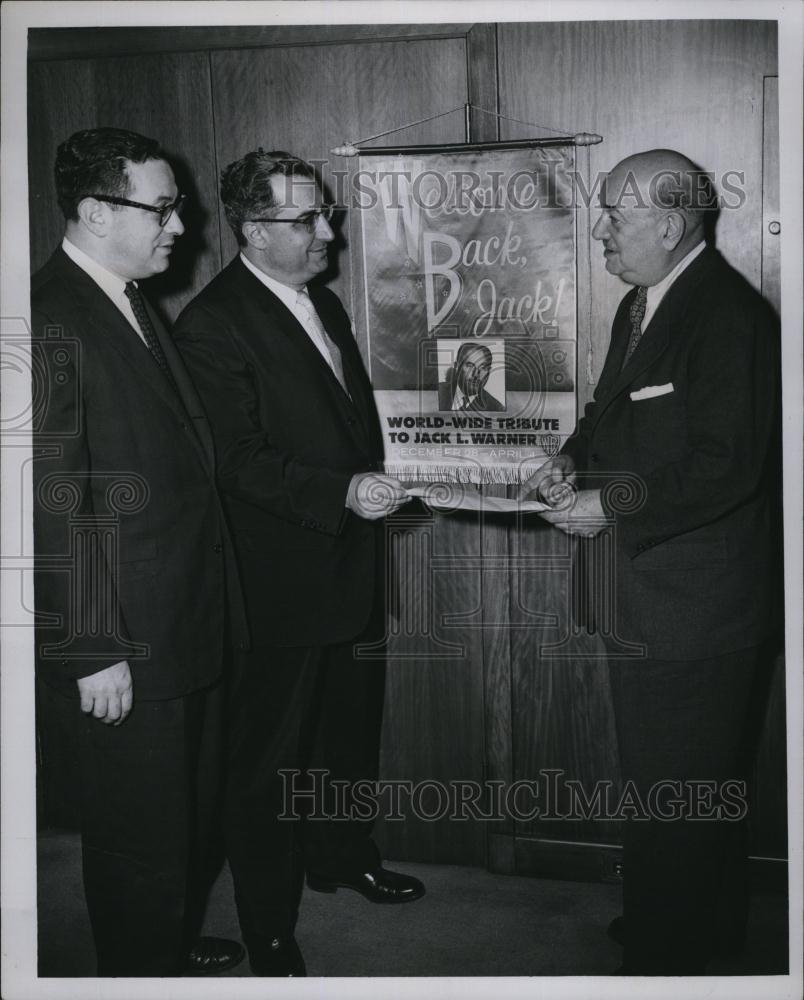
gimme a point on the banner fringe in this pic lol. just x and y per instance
(478, 476)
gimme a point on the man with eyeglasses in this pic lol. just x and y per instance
(135, 580)
(299, 447)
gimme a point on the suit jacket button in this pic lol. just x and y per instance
(595, 457)
(218, 547)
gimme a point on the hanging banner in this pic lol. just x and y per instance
(469, 267)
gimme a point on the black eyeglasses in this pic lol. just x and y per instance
(164, 211)
(309, 219)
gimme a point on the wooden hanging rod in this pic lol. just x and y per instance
(579, 139)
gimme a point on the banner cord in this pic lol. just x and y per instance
(401, 128)
(519, 121)
(443, 114)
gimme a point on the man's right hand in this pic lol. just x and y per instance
(550, 482)
(373, 496)
(109, 694)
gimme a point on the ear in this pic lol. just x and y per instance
(94, 215)
(254, 235)
(674, 225)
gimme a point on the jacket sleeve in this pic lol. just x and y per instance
(251, 466)
(79, 626)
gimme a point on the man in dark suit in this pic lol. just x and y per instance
(298, 445)
(686, 417)
(135, 578)
(464, 387)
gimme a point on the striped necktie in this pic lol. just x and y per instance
(636, 315)
(134, 296)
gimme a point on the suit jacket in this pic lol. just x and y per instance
(692, 421)
(133, 556)
(288, 441)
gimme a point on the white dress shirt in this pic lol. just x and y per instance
(658, 291)
(460, 401)
(289, 297)
(112, 285)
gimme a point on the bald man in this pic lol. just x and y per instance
(686, 410)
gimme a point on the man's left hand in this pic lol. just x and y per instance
(583, 516)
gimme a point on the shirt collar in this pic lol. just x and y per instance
(112, 284)
(461, 399)
(287, 296)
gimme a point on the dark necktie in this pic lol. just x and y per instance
(636, 315)
(134, 296)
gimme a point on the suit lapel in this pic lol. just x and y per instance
(97, 309)
(651, 346)
(190, 399)
(274, 313)
(353, 371)
(656, 337)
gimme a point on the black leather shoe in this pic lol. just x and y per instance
(281, 957)
(378, 886)
(212, 955)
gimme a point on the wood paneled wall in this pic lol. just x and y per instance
(469, 694)
(308, 100)
(166, 96)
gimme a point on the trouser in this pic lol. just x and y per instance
(296, 710)
(150, 797)
(684, 882)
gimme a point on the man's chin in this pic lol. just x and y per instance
(159, 264)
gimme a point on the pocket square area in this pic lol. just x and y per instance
(651, 391)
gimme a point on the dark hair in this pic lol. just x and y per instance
(465, 349)
(246, 190)
(94, 161)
